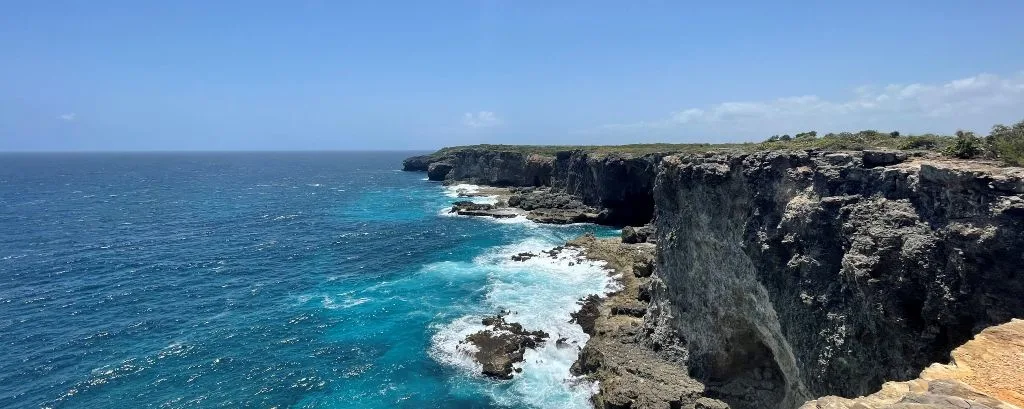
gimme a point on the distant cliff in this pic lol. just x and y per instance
(785, 275)
(621, 184)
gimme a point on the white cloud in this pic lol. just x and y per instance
(482, 119)
(975, 102)
(67, 117)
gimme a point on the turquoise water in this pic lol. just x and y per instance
(310, 280)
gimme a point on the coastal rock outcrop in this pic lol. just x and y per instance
(621, 184)
(618, 185)
(468, 208)
(501, 345)
(790, 275)
(439, 170)
(417, 163)
(779, 276)
(630, 374)
(497, 168)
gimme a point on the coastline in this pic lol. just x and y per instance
(630, 373)
(689, 335)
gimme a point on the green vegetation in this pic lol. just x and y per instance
(1005, 143)
(868, 139)
(634, 149)
(967, 146)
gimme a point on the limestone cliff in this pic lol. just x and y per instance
(620, 184)
(984, 373)
(789, 275)
(785, 275)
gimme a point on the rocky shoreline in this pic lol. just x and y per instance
(630, 373)
(762, 280)
(540, 205)
(501, 345)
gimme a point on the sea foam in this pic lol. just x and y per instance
(540, 293)
(454, 190)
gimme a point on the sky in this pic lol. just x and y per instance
(397, 75)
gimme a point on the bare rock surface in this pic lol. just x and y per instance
(467, 208)
(630, 374)
(984, 373)
(790, 275)
(642, 234)
(779, 275)
(501, 345)
(618, 186)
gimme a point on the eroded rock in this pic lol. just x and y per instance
(502, 345)
(640, 234)
(985, 373)
(439, 170)
(825, 277)
(468, 208)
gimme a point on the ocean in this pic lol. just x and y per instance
(268, 280)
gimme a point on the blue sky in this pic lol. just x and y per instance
(253, 75)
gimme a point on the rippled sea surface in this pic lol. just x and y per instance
(309, 280)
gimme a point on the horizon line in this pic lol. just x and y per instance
(84, 151)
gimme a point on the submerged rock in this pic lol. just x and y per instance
(523, 256)
(502, 345)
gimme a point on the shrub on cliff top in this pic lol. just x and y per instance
(1007, 143)
(967, 146)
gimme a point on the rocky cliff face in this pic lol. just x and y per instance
(782, 276)
(789, 275)
(622, 185)
(984, 373)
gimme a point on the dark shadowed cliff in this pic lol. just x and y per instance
(620, 184)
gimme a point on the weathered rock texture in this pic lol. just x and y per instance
(501, 345)
(984, 373)
(630, 374)
(781, 276)
(618, 185)
(416, 163)
(790, 275)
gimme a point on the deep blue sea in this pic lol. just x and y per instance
(267, 280)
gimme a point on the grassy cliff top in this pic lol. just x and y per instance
(842, 141)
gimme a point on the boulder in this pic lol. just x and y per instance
(642, 234)
(501, 345)
(883, 158)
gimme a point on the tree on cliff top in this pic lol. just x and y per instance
(967, 145)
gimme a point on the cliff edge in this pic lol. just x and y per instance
(780, 276)
(984, 373)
